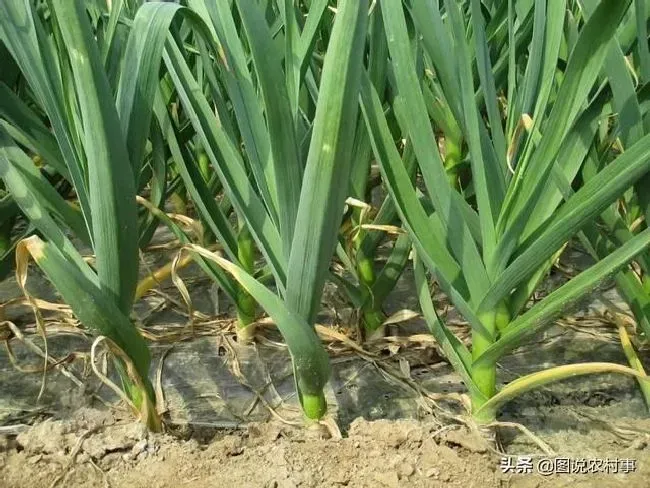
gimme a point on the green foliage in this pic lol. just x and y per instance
(307, 139)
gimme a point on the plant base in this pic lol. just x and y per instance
(150, 417)
(374, 335)
(373, 325)
(314, 406)
(246, 334)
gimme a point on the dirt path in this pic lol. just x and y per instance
(94, 449)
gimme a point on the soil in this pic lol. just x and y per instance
(97, 448)
(394, 405)
(380, 453)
